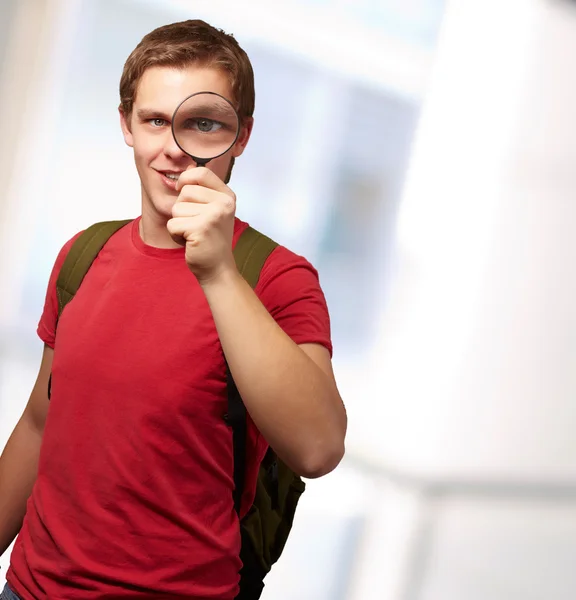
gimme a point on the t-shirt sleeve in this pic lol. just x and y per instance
(47, 325)
(289, 288)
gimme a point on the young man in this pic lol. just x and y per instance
(121, 486)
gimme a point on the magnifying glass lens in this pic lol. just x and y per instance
(205, 126)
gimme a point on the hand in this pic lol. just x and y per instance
(203, 221)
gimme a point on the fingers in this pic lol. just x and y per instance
(193, 225)
(197, 194)
(200, 185)
(181, 229)
(203, 177)
(192, 197)
(187, 209)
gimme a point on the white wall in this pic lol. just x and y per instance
(472, 384)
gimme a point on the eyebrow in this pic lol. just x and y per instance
(215, 109)
(148, 113)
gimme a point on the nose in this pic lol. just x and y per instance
(172, 150)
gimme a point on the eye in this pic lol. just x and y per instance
(208, 125)
(157, 122)
(202, 125)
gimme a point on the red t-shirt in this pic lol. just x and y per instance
(134, 495)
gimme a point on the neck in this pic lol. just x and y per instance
(152, 229)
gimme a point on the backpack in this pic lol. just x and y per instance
(266, 526)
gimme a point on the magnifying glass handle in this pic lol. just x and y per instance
(201, 162)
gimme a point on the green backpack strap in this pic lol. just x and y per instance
(80, 258)
(251, 252)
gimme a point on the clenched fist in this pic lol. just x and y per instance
(203, 221)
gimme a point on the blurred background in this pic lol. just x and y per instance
(421, 153)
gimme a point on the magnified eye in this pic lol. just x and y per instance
(204, 125)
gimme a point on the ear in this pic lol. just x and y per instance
(125, 125)
(243, 137)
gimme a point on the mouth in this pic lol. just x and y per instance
(170, 178)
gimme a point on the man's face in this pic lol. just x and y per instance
(148, 131)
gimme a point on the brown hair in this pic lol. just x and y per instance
(180, 45)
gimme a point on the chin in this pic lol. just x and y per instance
(161, 204)
(164, 209)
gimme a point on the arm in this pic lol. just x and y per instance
(19, 460)
(289, 390)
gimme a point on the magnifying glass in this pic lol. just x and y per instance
(205, 126)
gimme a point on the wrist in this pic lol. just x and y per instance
(224, 277)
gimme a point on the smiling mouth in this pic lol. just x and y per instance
(171, 176)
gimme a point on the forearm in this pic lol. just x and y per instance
(292, 401)
(18, 469)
